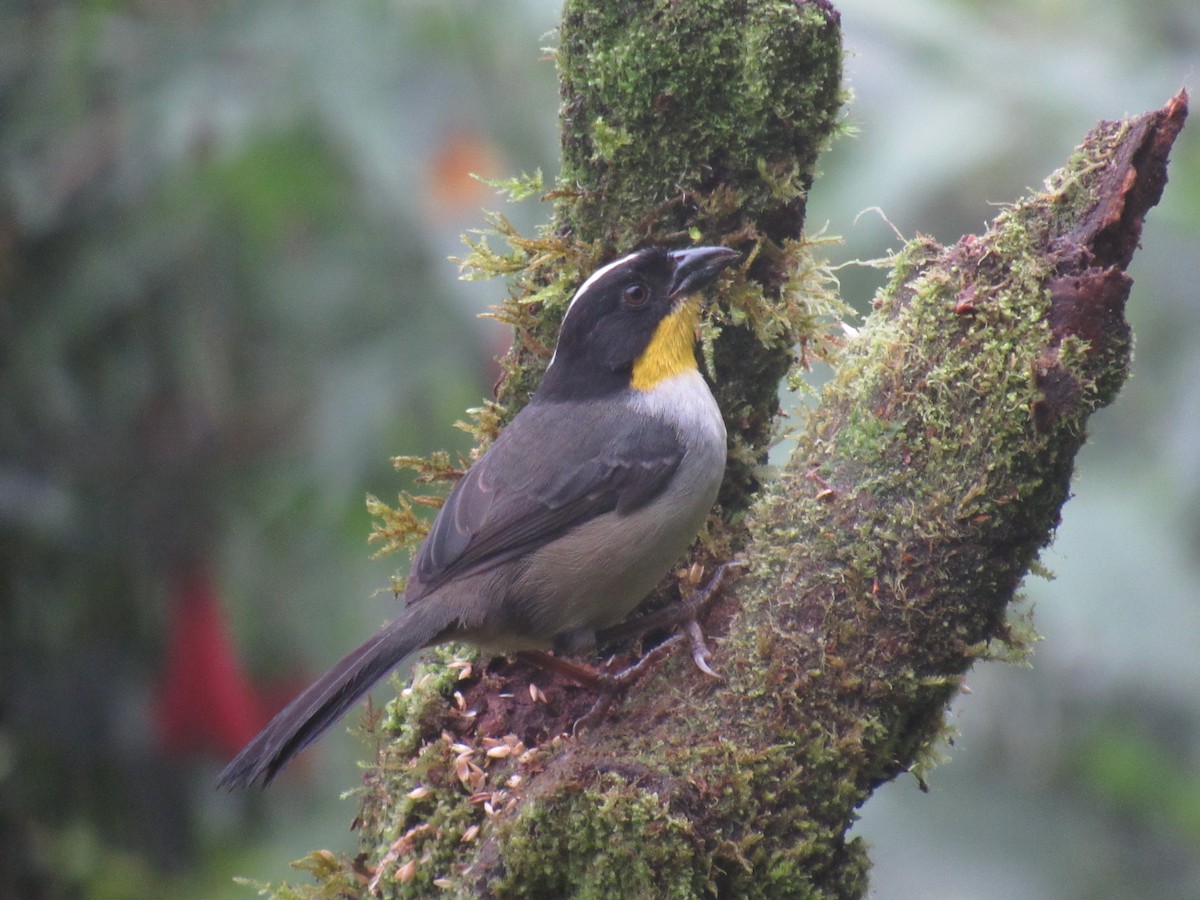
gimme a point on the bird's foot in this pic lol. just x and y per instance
(614, 684)
(685, 617)
(696, 606)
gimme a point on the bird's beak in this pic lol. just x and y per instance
(697, 267)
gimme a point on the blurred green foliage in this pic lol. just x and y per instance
(224, 305)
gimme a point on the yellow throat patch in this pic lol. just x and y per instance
(671, 350)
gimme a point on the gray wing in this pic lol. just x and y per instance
(548, 471)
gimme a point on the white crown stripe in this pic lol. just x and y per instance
(583, 287)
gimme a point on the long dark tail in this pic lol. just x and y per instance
(326, 700)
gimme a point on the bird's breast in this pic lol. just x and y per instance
(594, 575)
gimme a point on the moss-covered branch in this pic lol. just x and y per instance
(937, 464)
(922, 488)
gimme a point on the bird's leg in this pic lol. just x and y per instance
(577, 672)
(685, 616)
(617, 683)
(607, 683)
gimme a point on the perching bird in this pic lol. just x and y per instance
(574, 513)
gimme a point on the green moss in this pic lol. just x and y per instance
(413, 716)
(608, 838)
(778, 842)
(893, 513)
(717, 91)
(419, 834)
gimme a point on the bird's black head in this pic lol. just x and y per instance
(632, 323)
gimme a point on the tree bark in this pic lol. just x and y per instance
(882, 561)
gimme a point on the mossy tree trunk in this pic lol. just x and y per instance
(881, 563)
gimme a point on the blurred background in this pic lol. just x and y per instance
(225, 303)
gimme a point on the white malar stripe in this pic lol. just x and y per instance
(583, 287)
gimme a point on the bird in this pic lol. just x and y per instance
(576, 510)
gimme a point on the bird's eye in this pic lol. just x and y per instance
(636, 295)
